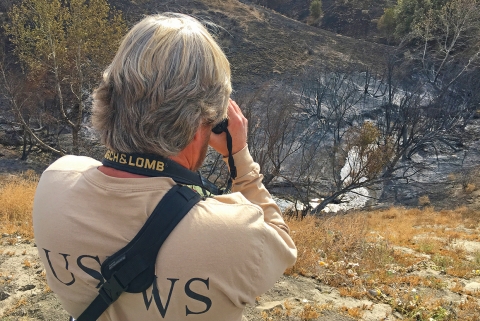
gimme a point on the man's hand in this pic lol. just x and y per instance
(237, 126)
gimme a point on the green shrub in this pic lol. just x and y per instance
(316, 9)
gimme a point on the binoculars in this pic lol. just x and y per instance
(220, 127)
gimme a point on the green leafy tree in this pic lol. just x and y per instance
(64, 45)
(316, 9)
(449, 40)
(443, 35)
(406, 11)
(400, 20)
(387, 24)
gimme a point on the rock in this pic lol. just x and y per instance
(20, 312)
(378, 312)
(374, 292)
(26, 287)
(268, 306)
(33, 311)
(351, 273)
(4, 295)
(473, 287)
(398, 315)
(10, 139)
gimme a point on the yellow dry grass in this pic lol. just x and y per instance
(17, 304)
(16, 199)
(363, 254)
(366, 254)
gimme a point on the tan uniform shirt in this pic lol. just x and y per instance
(225, 252)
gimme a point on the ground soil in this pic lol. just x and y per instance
(24, 294)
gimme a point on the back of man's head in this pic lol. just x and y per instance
(168, 77)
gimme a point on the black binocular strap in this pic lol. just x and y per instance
(132, 269)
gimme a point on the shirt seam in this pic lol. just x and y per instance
(94, 182)
(260, 258)
(128, 189)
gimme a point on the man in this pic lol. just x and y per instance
(167, 87)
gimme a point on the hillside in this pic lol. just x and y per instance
(357, 19)
(266, 46)
(260, 43)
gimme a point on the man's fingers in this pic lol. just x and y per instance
(237, 126)
(235, 107)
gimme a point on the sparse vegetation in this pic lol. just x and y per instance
(470, 188)
(365, 255)
(372, 255)
(27, 263)
(16, 197)
(316, 9)
(424, 200)
(18, 303)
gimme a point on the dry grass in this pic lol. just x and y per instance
(26, 263)
(17, 304)
(16, 197)
(292, 311)
(424, 200)
(366, 255)
(335, 239)
(354, 312)
(470, 187)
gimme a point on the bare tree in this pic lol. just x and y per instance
(306, 175)
(414, 118)
(330, 100)
(450, 40)
(275, 130)
(316, 143)
(14, 89)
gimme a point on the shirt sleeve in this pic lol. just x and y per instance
(249, 183)
(278, 251)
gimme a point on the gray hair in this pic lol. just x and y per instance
(168, 77)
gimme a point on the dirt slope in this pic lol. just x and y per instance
(25, 296)
(260, 43)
